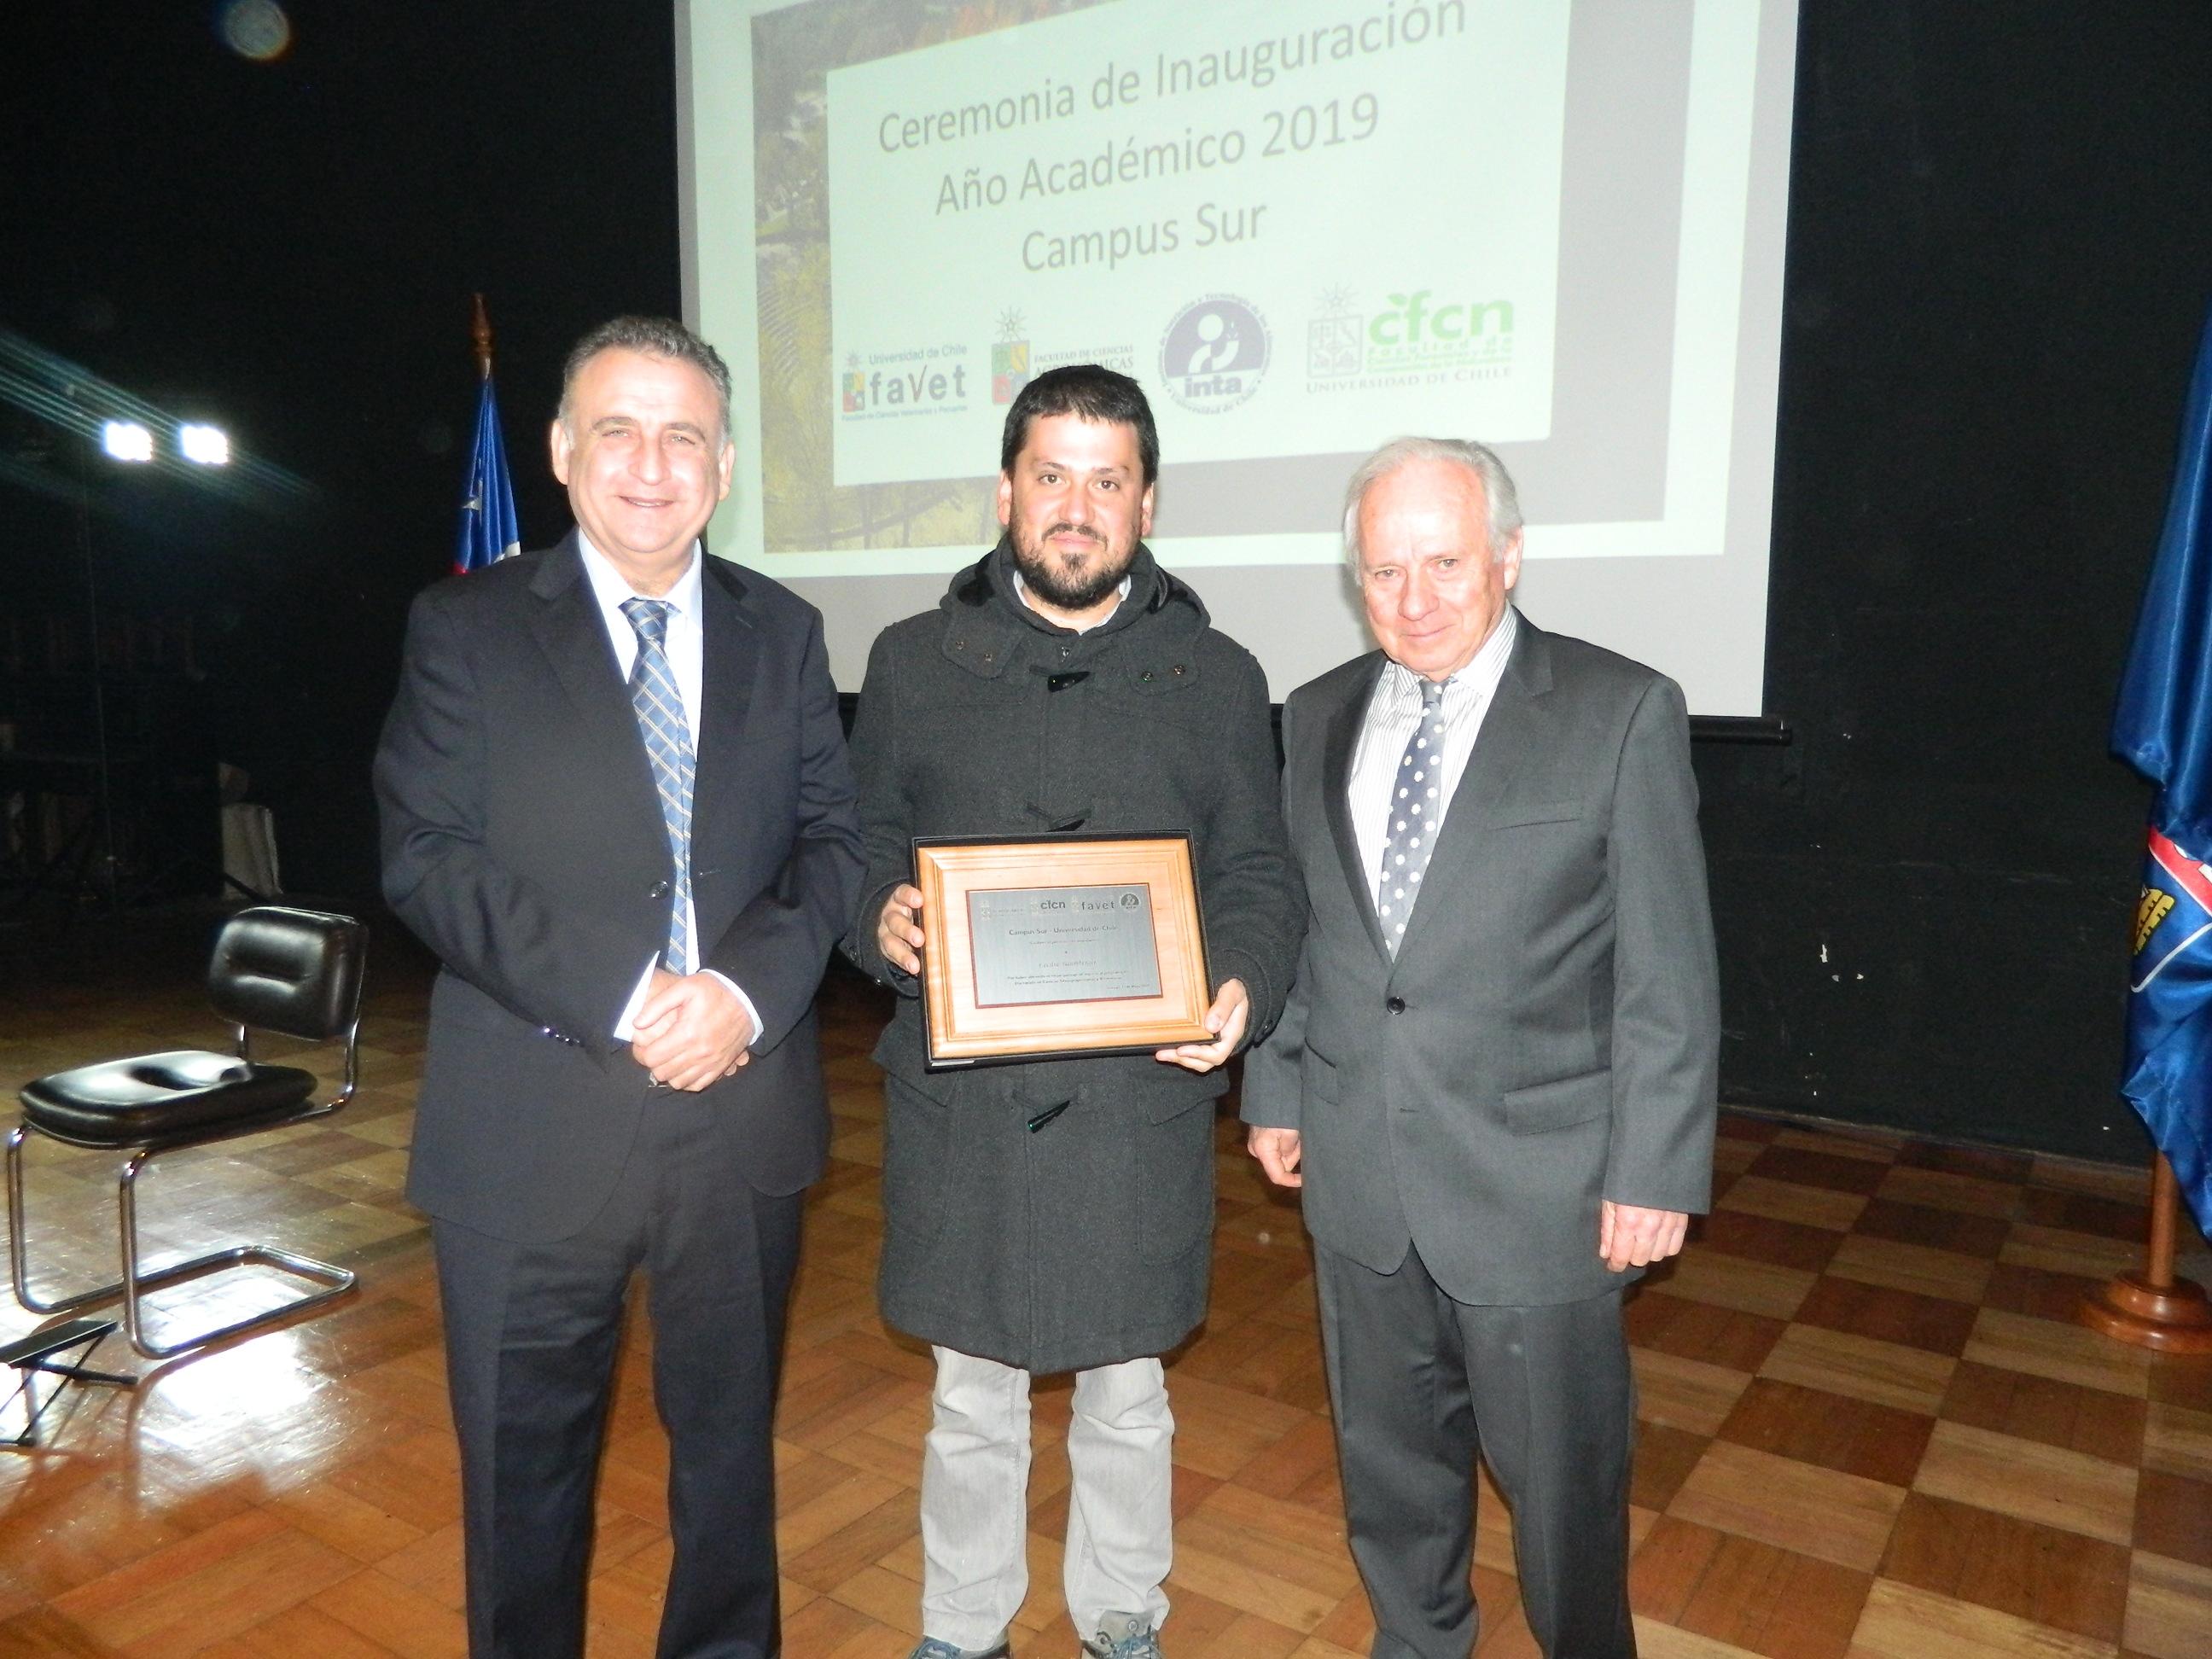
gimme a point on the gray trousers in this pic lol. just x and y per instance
(975, 1499)
(1420, 1385)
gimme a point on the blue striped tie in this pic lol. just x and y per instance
(659, 708)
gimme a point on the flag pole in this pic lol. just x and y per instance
(2154, 1309)
(480, 331)
(487, 532)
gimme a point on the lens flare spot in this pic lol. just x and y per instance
(254, 29)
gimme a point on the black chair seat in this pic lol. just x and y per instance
(155, 1097)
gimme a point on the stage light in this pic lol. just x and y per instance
(127, 440)
(210, 445)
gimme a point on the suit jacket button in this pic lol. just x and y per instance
(1396, 1005)
(659, 889)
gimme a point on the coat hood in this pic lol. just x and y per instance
(986, 619)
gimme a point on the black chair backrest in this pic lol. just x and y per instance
(295, 971)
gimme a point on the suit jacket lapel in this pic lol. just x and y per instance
(572, 633)
(1339, 742)
(1510, 735)
(726, 691)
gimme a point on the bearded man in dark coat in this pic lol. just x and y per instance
(1057, 1215)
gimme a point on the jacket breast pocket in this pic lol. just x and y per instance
(1512, 815)
(1560, 1104)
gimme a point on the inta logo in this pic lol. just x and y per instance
(1214, 354)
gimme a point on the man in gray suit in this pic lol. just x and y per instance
(1496, 1075)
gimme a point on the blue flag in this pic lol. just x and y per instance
(487, 531)
(2163, 729)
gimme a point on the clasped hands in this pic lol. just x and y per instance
(690, 1030)
(900, 937)
(1628, 1235)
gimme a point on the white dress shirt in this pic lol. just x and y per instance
(1393, 712)
(686, 644)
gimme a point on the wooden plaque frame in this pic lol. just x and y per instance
(961, 1033)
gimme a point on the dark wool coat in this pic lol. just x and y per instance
(1088, 1241)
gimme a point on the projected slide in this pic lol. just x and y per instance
(1179, 212)
(1305, 226)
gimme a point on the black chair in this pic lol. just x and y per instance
(33, 1357)
(296, 972)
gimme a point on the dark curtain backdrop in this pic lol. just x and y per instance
(2000, 258)
(2000, 255)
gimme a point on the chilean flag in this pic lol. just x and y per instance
(487, 531)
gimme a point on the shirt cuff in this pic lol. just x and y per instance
(626, 1026)
(744, 1001)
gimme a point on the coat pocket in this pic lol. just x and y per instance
(917, 1161)
(1560, 1104)
(1317, 1078)
(1175, 1173)
(1178, 1100)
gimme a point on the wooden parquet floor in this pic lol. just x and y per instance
(1869, 1425)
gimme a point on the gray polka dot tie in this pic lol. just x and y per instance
(1414, 805)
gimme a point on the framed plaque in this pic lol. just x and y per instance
(1050, 948)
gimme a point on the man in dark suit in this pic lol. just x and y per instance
(1496, 1074)
(617, 804)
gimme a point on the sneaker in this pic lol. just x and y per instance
(931, 1647)
(1124, 1636)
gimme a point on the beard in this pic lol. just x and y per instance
(1071, 587)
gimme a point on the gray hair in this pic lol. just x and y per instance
(1502, 499)
(649, 336)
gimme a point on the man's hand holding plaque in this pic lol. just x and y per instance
(1232, 1007)
(899, 932)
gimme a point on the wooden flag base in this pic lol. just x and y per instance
(2153, 1309)
(2174, 1319)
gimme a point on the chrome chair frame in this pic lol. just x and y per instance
(136, 1281)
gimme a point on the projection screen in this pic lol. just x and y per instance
(1306, 227)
